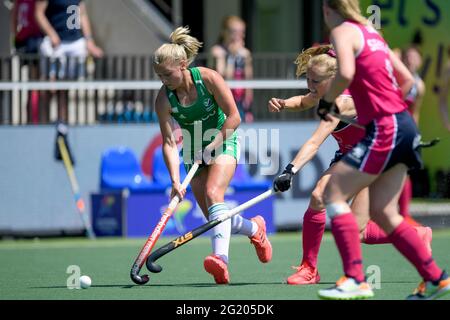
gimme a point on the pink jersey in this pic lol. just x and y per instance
(347, 136)
(26, 23)
(374, 88)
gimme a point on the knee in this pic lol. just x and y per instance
(213, 194)
(317, 199)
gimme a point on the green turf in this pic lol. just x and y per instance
(37, 270)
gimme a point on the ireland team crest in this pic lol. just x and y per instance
(208, 103)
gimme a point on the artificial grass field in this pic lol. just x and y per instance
(37, 269)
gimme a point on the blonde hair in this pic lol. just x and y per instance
(323, 56)
(226, 22)
(182, 47)
(348, 9)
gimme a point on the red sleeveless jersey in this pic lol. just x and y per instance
(26, 23)
(347, 135)
(374, 88)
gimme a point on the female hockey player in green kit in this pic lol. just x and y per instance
(203, 106)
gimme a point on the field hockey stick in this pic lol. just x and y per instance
(346, 120)
(178, 242)
(429, 144)
(75, 188)
(149, 244)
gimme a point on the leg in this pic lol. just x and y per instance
(343, 224)
(314, 221)
(217, 180)
(404, 202)
(346, 232)
(384, 195)
(370, 232)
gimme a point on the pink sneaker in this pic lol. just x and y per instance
(215, 266)
(305, 274)
(260, 241)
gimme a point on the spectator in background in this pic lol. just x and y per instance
(27, 35)
(68, 34)
(27, 38)
(233, 61)
(412, 59)
(443, 96)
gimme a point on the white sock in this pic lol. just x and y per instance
(240, 225)
(222, 232)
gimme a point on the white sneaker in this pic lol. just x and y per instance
(347, 289)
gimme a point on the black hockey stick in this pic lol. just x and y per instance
(178, 242)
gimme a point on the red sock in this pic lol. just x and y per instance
(313, 229)
(407, 241)
(374, 234)
(405, 198)
(346, 234)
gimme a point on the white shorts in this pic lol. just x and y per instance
(75, 52)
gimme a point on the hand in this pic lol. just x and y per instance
(325, 108)
(205, 156)
(177, 190)
(284, 181)
(276, 105)
(94, 50)
(55, 41)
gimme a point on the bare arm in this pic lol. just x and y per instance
(309, 150)
(345, 40)
(87, 32)
(297, 103)
(248, 76)
(218, 55)
(169, 147)
(415, 108)
(224, 98)
(443, 99)
(44, 24)
(404, 77)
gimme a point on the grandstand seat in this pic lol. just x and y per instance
(160, 173)
(120, 170)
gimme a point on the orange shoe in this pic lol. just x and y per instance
(426, 234)
(413, 222)
(260, 241)
(305, 275)
(215, 266)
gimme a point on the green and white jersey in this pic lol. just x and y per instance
(203, 116)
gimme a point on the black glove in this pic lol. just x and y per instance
(325, 108)
(284, 181)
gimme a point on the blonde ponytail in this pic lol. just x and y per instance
(348, 9)
(182, 47)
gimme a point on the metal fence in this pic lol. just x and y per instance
(22, 103)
